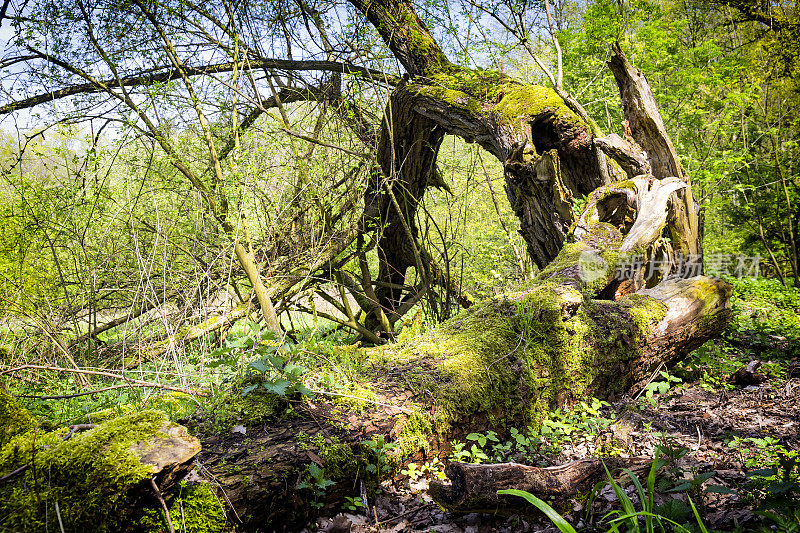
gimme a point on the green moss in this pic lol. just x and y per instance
(521, 354)
(483, 85)
(89, 475)
(232, 408)
(358, 399)
(588, 262)
(339, 459)
(414, 434)
(525, 101)
(452, 97)
(14, 419)
(110, 413)
(194, 509)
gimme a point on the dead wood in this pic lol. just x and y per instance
(473, 488)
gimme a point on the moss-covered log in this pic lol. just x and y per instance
(504, 362)
(96, 477)
(512, 359)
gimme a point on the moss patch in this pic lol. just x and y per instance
(525, 101)
(523, 354)
(14, 419)
(490, 91)
(89, 475)
(194, 509)
(414, 434)
(232, 408)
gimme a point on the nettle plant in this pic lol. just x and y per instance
(271, 368)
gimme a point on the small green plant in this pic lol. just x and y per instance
(353, 504)
(272, 369)
(317, 483)
(434, 468)
(378, 447)
(774, 486)
(413, 471)
(661, 386)
(474, 455)
(481, 439)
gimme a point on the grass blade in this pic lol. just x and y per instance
(697, 516)
(551, 513)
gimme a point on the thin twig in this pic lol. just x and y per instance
(112, 375)
(77, 394)
(14, 472)
(58, 514)
(163, 504)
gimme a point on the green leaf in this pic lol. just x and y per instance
(259, 366)
(278, 387)
(764, 472)
(719, 489)
(700, 478)
(697, 516)
(315, 471)
(554, 517)
(682, 487)
(305, 391)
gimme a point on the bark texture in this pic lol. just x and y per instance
(473, 488)
(589, 325)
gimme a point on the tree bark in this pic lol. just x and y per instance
(514, 357)
(520, 355)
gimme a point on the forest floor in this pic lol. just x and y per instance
(730, 444)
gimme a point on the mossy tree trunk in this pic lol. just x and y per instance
(546, 148)
(586, 326)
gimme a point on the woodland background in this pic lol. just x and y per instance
(112, 262)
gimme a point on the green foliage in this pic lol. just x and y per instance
(551, 513)
(764, 309)
(561, 427)
(430, 469)
(272, 369)
(353, 504)
(317, 483)
(661, 386)
(378, 449)
(645, 519)
(195, 509)
(14, 419)
(764, 326)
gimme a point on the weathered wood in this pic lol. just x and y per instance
(626, 152)
(577, 331)
(642, 114)
(452, 380)
(473, 488)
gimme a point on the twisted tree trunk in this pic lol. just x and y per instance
(619, 293)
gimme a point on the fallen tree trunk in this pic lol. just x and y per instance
(622, 298)
(514, 357)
